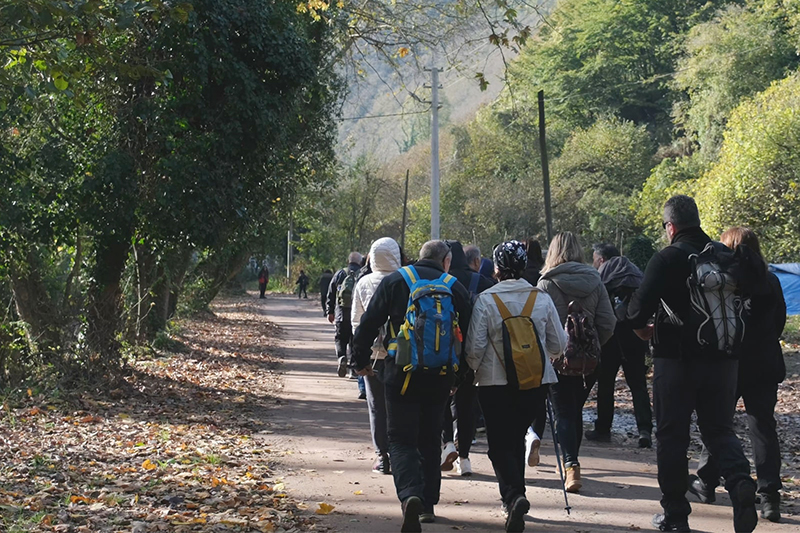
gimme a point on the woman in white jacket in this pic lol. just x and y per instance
(384, 258)
(509, 411)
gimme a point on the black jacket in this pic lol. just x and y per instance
(665, 278)
(324, 285)
(462, 272)
(339, 313)
(621, 279)
(391, 301)
(761, 360)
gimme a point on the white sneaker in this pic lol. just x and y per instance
(463, 466)
(532, 445)
(449, 456)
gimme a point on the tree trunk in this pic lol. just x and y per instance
(104, 312)
(35, 307)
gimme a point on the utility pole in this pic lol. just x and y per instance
(548, 215)
(289, 250)
(405, 207)
(434, 149)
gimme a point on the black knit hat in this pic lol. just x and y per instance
(510, 257)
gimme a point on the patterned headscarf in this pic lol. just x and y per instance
(510, 257)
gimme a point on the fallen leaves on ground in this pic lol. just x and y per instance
(173, 450)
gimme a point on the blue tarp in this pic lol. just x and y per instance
(789, 276)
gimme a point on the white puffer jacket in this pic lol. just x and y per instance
(384, 258)
(485, 337)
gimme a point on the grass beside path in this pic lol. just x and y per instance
(172, 450)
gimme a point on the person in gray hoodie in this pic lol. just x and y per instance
(566, 278)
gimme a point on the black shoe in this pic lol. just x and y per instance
(341, 370)
(743, 497)
(362, 395)
(516, 514)
(598, 436)
(771, 506)
(703, 492)
(427, 516)
(412, 508)
(661, 523)
(645, 441)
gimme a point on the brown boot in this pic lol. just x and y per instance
(573, 482)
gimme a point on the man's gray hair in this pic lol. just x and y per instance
(682, 211)
(354, 257)
(472, 253)
(434, 251)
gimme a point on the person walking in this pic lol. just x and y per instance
(688, 376)
(761, 369)
(567, 279)
(324, 285)
(339, 304)
(621, 278)
(384, 258)
(509, 411)
(462, 406)
(302, 285)
(415, 400)
(263, 281)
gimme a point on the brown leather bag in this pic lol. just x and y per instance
(582, 354)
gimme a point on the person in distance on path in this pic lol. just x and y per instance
(509, 411)
(415, 402)
(761, 369)
(302, 285)
(688, 377)
(263, 281)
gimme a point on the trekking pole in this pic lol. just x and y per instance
(558, 453)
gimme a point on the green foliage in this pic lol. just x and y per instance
(736, 54)
(756, 181)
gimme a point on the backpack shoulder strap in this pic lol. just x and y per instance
(504, 314)
(686, 247)
(529, 303)
(409, 274)
(448, 280)
(473, 283)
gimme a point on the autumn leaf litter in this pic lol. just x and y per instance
(171, 450)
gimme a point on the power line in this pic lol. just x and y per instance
(402, 114)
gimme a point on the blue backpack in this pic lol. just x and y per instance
(429, 340)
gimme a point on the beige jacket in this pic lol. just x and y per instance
(485, 337)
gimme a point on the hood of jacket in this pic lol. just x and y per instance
(620, 272)
(459, 260)
(384, 255)
(575, 279)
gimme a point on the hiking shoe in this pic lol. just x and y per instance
(362, 395)
(516, 514)
(661, 523)
(743, 497)
(645, 441)
(703, 492)
(573, 482)
(427, 516)
(449, 456)
(341, 370)
(381, 465)
(464, 466)
(598, 436)
(771, 506)
(412, 508)
(532, 445)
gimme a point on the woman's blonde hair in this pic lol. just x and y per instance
(563, 248)
(737, 235)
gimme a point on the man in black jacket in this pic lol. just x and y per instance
(625, 349)
(340, 300)
(324, 285)
(687, 377)
(462, 407)
(414, 415)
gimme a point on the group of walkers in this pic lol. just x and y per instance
(445, 339)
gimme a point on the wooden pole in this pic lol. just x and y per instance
(548, 214)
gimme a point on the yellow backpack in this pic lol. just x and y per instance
(523, 356)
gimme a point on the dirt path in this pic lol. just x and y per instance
(325, 431)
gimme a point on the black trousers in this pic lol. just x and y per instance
(759, 404)
(343, 338)
(618, 352)
(262, 288)
(568, 397)
(462, 408)
(707, 387)
(508, 414)
(414, 422)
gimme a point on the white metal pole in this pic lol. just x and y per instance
(434, 151)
